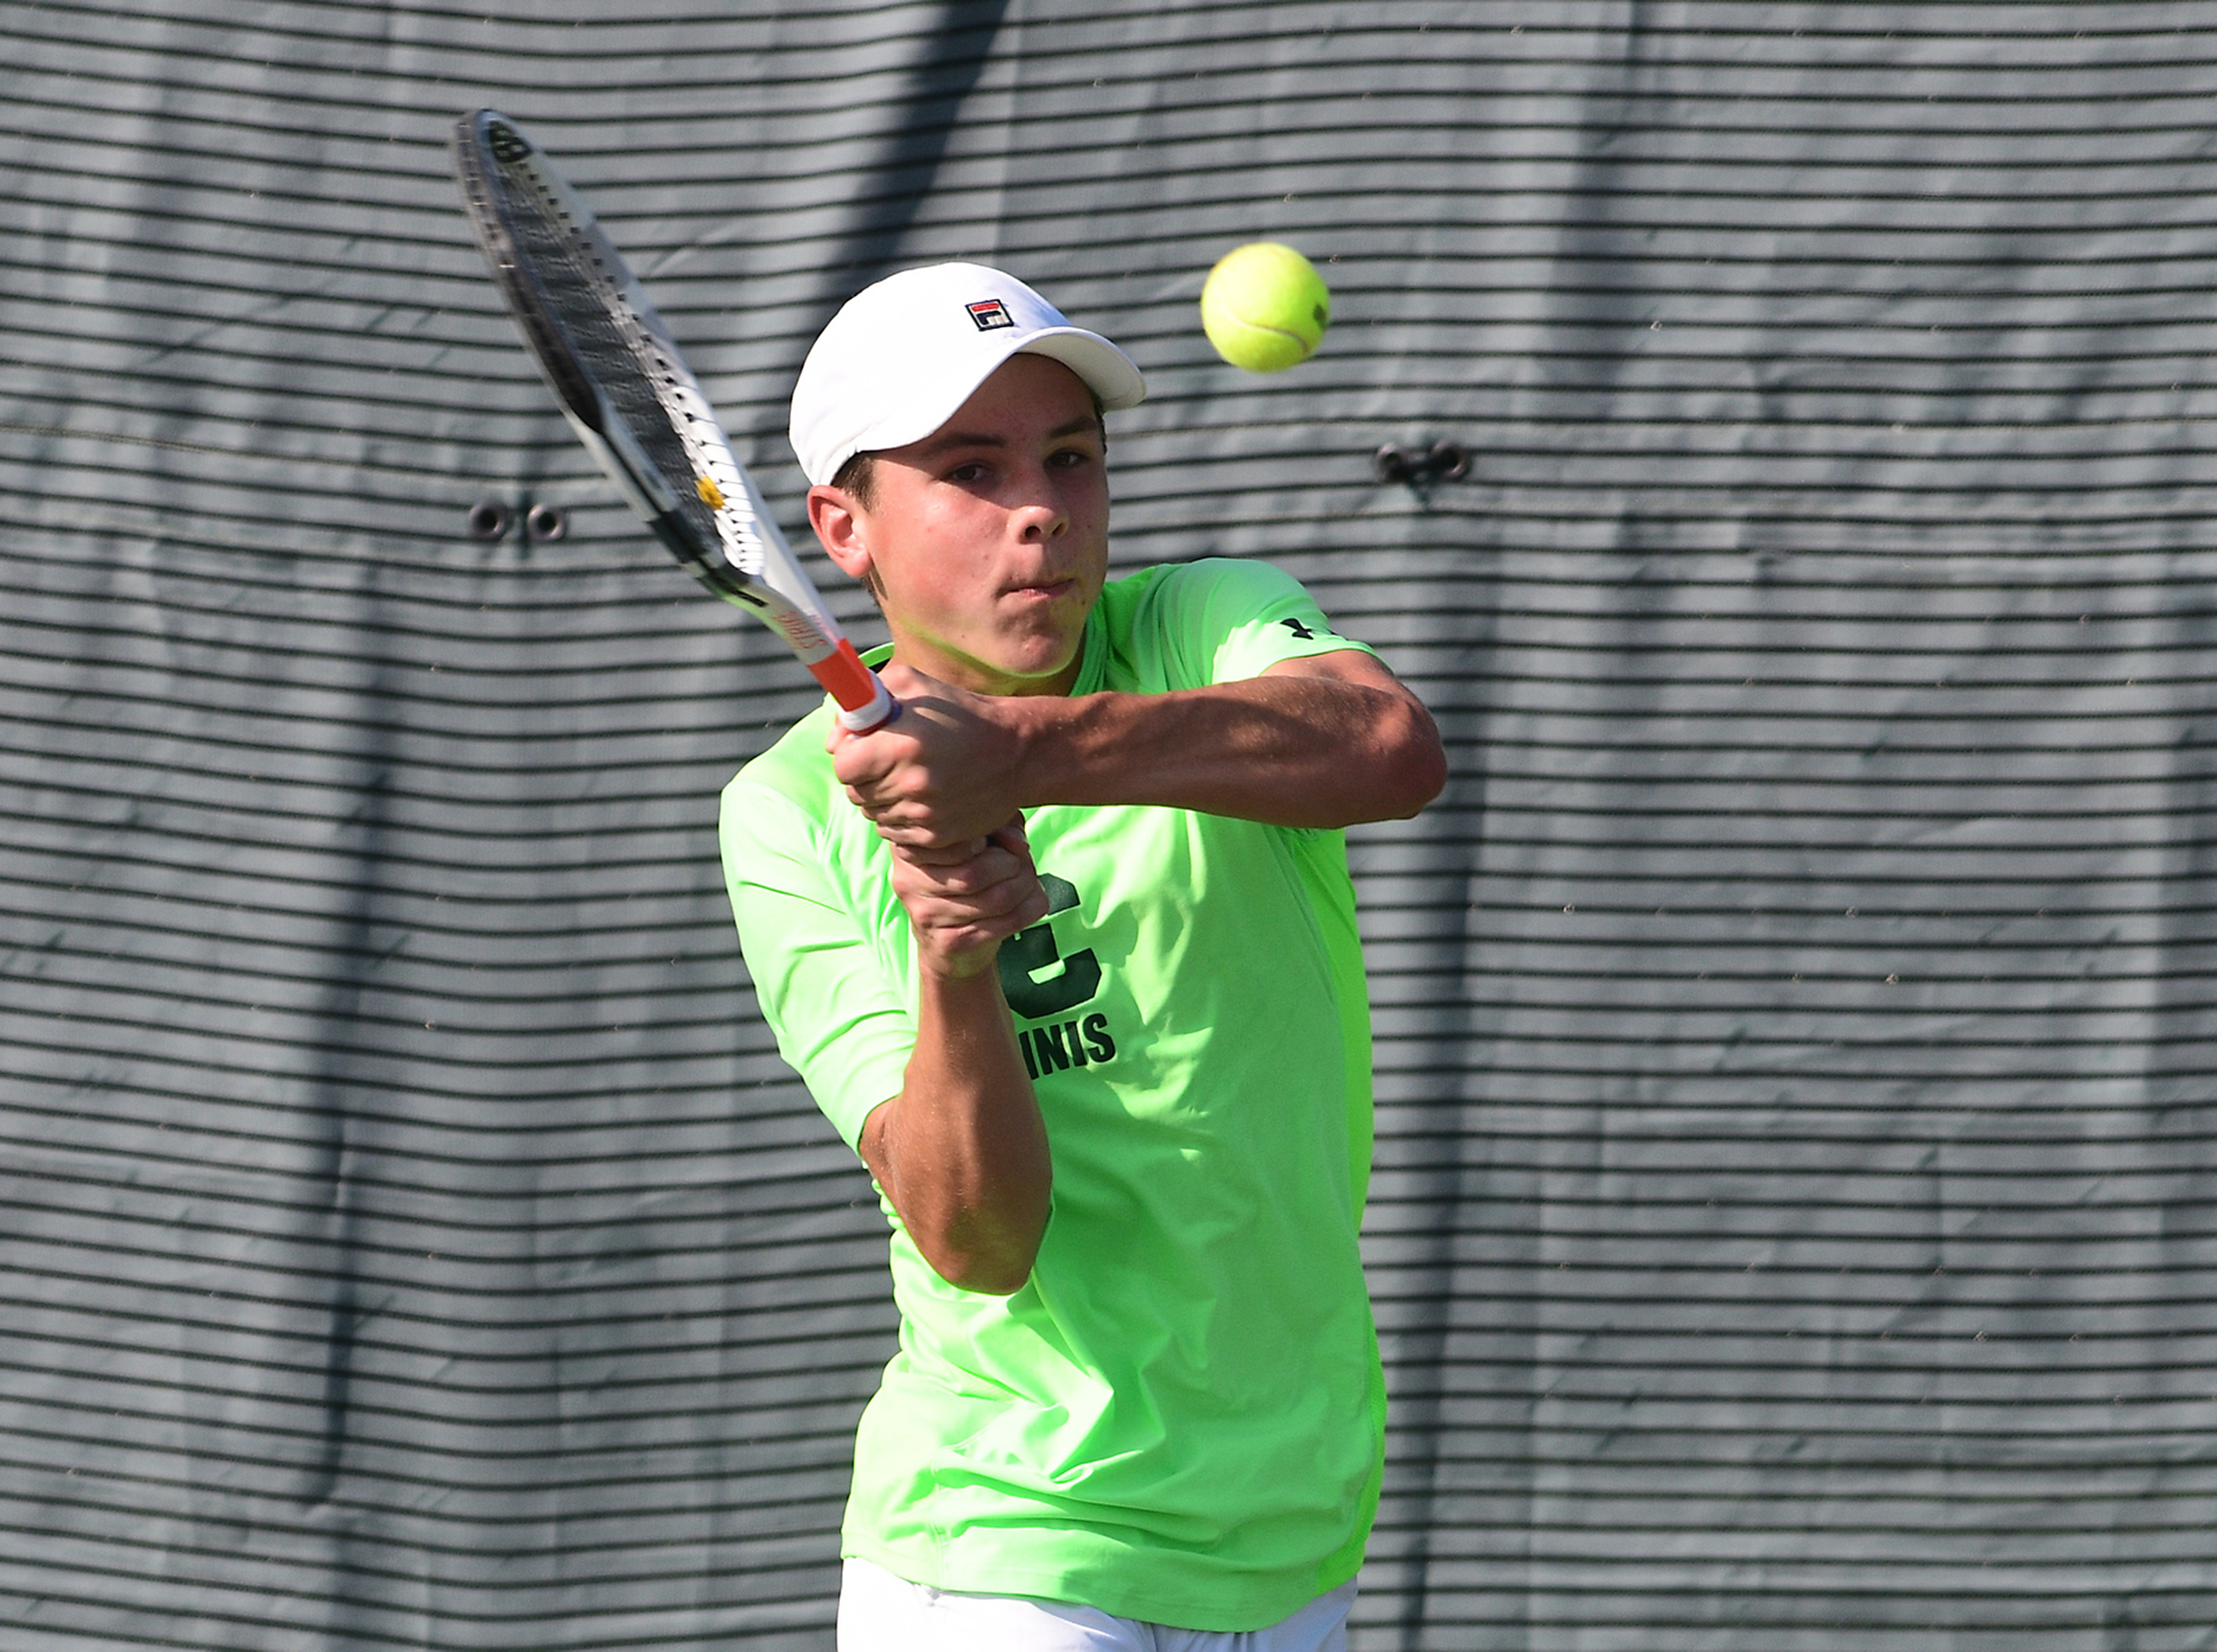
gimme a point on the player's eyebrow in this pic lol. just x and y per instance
(947, 439)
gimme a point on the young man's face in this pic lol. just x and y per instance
(988, 541)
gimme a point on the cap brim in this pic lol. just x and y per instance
(1106, 370)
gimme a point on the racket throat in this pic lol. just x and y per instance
(864, 702)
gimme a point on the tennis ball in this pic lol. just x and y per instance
(1264, 306)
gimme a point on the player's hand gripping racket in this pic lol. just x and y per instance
(635, 405)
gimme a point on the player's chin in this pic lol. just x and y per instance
(1034, 651)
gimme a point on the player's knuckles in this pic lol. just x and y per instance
(853, 763)
(1003, 900)
(957, 882)
(913, 882)
(925, 877)
(1031, 901)
(970, 878)
(954, 854)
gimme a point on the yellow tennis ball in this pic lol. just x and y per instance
(1264, 306)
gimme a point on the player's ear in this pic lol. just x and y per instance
(837, 518)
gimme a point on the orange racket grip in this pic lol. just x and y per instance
(865, 703)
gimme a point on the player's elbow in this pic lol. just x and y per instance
(1411, 764)
(989, 1248)
(995, 1280)
(987, 1270)
(1421, 776)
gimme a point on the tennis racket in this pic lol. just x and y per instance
(634, 404)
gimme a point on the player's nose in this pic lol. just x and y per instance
(1040, 520)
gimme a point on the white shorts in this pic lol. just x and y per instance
(880, 1613)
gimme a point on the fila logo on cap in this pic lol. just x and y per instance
(987, 314)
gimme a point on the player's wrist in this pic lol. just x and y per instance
(964, 957)
(960, 964)
(1039, 729)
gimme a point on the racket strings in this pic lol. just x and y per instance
(635, 402)
(619, 358)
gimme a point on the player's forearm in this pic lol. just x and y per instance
(1293, 751)
(962, 1151)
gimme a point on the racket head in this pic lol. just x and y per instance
(586, 322)
(621, 380)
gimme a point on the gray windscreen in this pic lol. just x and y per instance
(1793, 1224)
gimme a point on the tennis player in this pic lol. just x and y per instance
(1068, 954)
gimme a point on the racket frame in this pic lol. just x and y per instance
(748, 562)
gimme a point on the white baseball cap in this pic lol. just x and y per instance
(902, 356)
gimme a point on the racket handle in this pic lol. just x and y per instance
(865, 703)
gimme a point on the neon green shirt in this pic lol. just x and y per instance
(1180, 1417)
